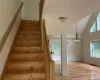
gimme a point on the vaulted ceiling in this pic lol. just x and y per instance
(75, 11)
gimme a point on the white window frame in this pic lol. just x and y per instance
(96, 24)
(91, 53)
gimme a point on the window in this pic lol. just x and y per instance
(93, 28)
(95, 49)
(96, 26)
(98, 22)
(56, 47)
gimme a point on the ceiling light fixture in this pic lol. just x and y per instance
(77, 40)
(62, 19)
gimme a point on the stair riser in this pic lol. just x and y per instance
(26, 66)
(27, 57)
(31, 23)
(35, 76)
(22, 37)
(29, 26)
(28, 38)
(29, 29)
(27, 43)
(28, 33)
(35, 24)
(26, 49)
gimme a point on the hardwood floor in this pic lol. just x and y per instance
(81, 71)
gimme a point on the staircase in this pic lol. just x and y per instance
(26, 61)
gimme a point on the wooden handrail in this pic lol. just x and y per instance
(52, 70)
(6, 34)
(49, 64)
(46, 41)
(41, 6)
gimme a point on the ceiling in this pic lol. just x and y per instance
(81, 25)
(75, 10)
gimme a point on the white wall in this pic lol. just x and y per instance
(87, 37)
(8, 9)
(74, 50)
(31, 10)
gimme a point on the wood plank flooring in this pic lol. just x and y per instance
(81, 71)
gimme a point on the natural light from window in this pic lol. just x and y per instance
(95, 49)
(98, 22)
(93, 28)
(96, 26)
(56, 48)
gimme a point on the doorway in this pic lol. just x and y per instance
(55, 50)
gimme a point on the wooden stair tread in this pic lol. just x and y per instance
(24, 22)
(28, 53)
(26, 66)
(27, 43)
(27, 56)
(30, 62)
(29, 70)
(29, 29)
(35, 47)
(25, 71)
(24, 76)
(27, 49)
(30, 26)
(28, 33)
(29, 37)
